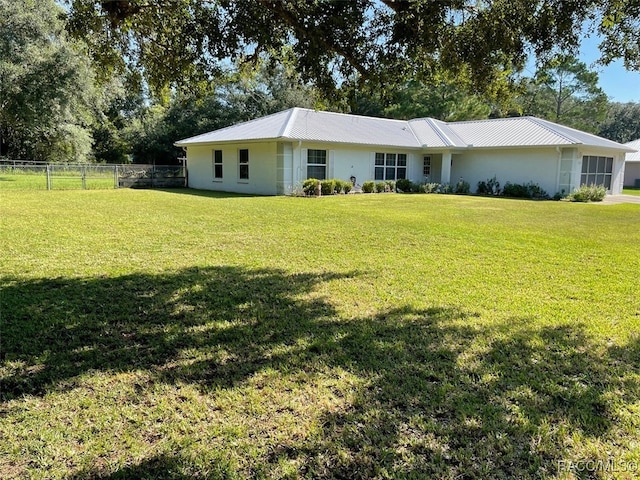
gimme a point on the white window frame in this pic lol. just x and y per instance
(316, 165)
(597, 170)
(217, 162)
(241, 163)
(426, 166)
(389, 164)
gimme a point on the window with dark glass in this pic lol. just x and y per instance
(390, 166)
(243, 173)
(217, 164)
(596, 171)
(426, 166)
(317, 164)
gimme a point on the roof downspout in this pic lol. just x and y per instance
(558, 170)
(184, 167)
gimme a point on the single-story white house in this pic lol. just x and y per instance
(273, 155)
(632, 165)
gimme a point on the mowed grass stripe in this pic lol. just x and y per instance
(185, 334)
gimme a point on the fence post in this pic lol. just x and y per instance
(83, 173)
(115, 176)
(48, 177)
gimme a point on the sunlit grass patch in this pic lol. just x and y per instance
(189, 334)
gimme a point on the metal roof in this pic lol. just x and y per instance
(311, 125)
(300, 124)
(633, 156)
(435, 133)
(262, 128)
(526, 132)
(314, 126)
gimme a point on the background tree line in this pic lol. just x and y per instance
(121, 80)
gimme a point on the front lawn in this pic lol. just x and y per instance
(631, 191)
(157, 334)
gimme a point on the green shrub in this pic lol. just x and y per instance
(535, 191)
(588, 193)
(430, 187)
(338, 186)
(346, 186)
(380, 187)
(391, 184)
(368, 186)
(529, 190)
(310, 186)
(444, 188)
(515, 190)
(462, 187)
(489, 187)
(327, 187)
(405, 185)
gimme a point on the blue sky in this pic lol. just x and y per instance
(619, 84)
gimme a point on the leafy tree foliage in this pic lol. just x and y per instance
(121, 100)
(243, 96)
(622, 123)
(567, 92)
(444, 100)
(46, 88)
(186, 42)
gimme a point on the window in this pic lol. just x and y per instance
(243, 163)
(426, 166)
(217, 164)
(597, 171)
(390, 166)
(317, 164)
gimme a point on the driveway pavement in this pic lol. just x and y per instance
(615, 199)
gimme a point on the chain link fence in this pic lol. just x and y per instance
(23, 175)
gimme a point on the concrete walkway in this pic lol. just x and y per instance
(616, 199)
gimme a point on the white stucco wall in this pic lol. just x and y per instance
(521, 166)
(277, 168)
(631, 173)
(347, 161)
(262, 168)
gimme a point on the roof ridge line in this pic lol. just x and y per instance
(286, 128)
(443, 136)
(542, 123)
(233, 125)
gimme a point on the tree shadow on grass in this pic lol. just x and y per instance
(440, 397)
(57, 329)
(447, 400)
(166, 467)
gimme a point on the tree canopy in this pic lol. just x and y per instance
(169, 69)
(188, 42)
(46, 84)
(566, 91)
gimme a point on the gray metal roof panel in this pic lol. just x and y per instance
(507, 132)
(312, 125)
(317, 126)
(578, 136)
(633, 156)
(427, 134)
(526, 132)
(269, 127)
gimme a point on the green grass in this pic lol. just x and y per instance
(157, 334)
(67, 181)
(631, 191)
